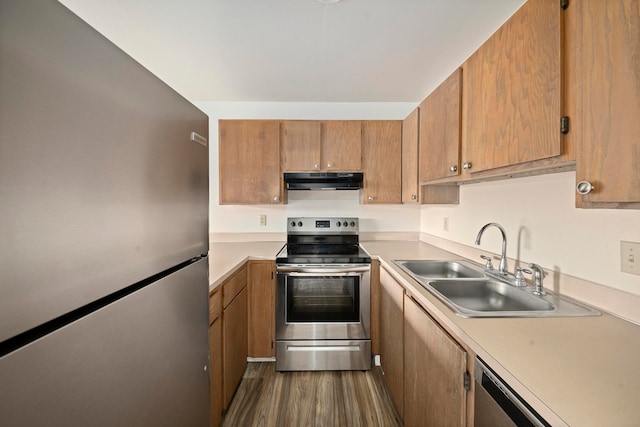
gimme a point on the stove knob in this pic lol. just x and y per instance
(293, 223)
(338, 224)
(299, 223)
(353, 224)
(346, 224)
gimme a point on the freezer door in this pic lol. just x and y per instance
(101, 184)
(141, 361)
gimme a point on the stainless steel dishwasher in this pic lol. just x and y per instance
(497, 405)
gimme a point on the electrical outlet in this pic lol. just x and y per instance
(630, 257)
(263, 220)
(445, 224)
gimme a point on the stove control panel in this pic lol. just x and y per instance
(313, 225)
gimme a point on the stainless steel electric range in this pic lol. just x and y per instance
(323, 313)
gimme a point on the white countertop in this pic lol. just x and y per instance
(579, 371)
(582, 371)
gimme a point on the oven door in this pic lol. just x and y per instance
(323, 302)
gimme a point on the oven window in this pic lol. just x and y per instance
(323, 299)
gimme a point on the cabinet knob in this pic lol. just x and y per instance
(466, 165)
(329, 165)
(276, 199)
(316, 166)
(414, 197)
(584, 187)
(370, 198)
(453, 168)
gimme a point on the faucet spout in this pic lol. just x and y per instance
(502, 269)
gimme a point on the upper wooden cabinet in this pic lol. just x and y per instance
(321, 146)
(249, 159)
(341, 148)
(300, 143)
(382, 163)
(440, 130)
(606, 52)
(512, 91)
(410, 187)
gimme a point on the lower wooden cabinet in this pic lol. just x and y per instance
(215, 371)
(435, 366)
(391, 342)
(261, 283)
(234, 342)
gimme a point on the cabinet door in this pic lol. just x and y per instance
(300, 144)
(215, 373)
(410, 158)
(440, 130)
(608, 74)
(261, 285)
(341, 148)
(234, 339)
(249, 159)
(435, 365)
(391, 342)
(512, 91)
(382, 163)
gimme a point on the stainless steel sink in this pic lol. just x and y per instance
(488, 295)
(465, 289)
(438, 269)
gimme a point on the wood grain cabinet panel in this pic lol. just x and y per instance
(215, 371)
(382, 161)
(606, 51)
(341, 148)
(435, 366)
(234, 339)
(410, 160)
(512, 91)
(261, 283)
(249, 160)
(321, 146)
(440, 130)
(300, 143)
(391, 343)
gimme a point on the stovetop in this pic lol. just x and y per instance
(322, 240)
(351, 255)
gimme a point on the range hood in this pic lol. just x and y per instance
(323, 180)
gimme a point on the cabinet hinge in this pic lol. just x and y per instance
(271, 274)
(272, 345)
(564, 4)
(564, 125)
(467, 381)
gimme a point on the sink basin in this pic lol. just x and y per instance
(439, 269)
(489, 295)
(465, 289)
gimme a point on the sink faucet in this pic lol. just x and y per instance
(502, 269)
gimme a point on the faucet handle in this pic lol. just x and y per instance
(520, 277)
(488, 265)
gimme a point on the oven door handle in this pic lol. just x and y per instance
(356, 269)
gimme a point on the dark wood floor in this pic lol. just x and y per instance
(323, 399)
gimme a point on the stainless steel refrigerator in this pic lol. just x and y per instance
(103, 232)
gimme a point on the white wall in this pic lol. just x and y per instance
(245, 219)
(543, 226)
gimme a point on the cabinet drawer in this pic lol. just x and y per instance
(233, 285)
(215, 305)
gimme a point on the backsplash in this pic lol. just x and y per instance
(542, 226)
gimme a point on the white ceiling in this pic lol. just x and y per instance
(298, 50)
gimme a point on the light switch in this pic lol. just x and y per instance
(630, 257)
